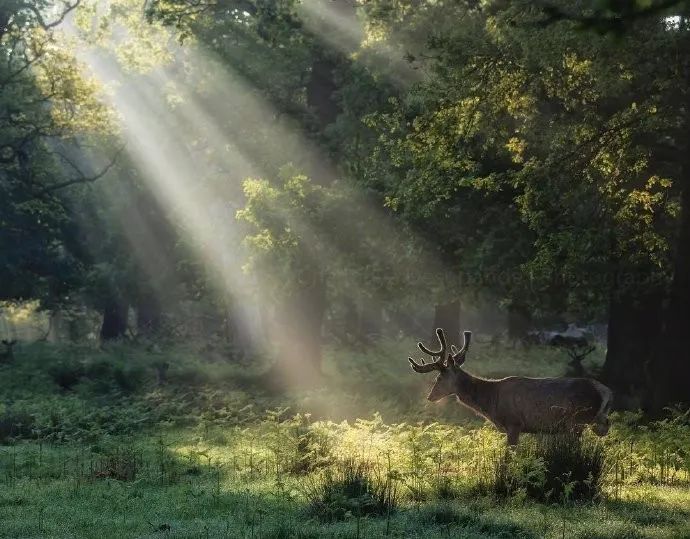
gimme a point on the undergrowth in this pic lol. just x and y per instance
(350, 488)
(99, 430)
(559, 468)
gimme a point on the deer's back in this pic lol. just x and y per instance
(538, 404)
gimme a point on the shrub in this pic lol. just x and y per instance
(556, 468)
(66, 375)
(103, 376)
(122, 465)
(15, 424)
(351, 490)
(441, 515)
(312, 447)
(129, 379)
(100, 374)
(444, 488)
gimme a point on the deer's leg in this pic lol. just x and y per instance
(601, 427)
(513, 435)
(601, 420)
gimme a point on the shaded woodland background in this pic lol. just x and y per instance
(279, 174)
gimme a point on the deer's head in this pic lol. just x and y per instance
(447, 364)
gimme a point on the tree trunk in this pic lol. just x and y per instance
(149, 314)
(320, 90)
(447, 316)
(300, 324)
(315, 309)
(633, 329)
(114, 323)
(55, 326)
(672, 361)
(519, 322)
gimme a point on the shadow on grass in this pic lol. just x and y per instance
(647, 514)
(468, 520)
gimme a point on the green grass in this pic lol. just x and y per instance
(179, 493)
(214, 454)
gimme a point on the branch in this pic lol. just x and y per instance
(67, 9)
(81, 178)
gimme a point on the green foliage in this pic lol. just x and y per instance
(119, 464)
(41, 90)
(15, 424)
(132, 460)
(282, 217)
(556, 469)
(66, 375)
(651, 450)
(350, 489)
(526, 127)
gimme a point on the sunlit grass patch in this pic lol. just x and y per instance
(192, 480)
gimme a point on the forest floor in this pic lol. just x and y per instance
(92, 446)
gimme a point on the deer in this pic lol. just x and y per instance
(517, 404)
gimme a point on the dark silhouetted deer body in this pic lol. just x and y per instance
(518, 404)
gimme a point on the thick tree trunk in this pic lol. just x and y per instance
(314, 311)
(672, 358)
(519, 322)
(56, 325)
(362, 321)
(114, 323)
(633, 329)
(149, 314)
(447, 317)
(241, 328)
(320, 90)
(299, 324)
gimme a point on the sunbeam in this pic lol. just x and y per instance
(342, 28)
(199, 178)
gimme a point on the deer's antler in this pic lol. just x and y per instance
(458, 356)
(437, 365)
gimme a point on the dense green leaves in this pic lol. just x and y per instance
(44, 103)
(440, 150)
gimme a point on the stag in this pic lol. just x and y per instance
(518, 404)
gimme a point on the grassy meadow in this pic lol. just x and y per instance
(94, 444)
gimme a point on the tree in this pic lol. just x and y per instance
(543, 130)
(41, 90)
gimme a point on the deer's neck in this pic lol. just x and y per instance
(475, 392)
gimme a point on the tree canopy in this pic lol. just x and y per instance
(349, 161)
